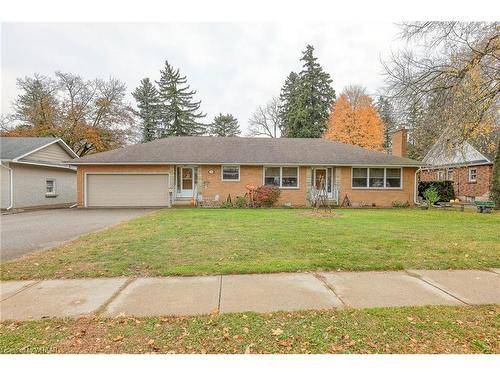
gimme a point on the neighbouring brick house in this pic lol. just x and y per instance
(180, 170)
(469, 165)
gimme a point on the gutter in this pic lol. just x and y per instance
(372, 165)
(457, 165)
(63, 165)
(415, 188)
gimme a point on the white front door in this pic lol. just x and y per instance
(323, 180)
(320, 179)
(187, 181)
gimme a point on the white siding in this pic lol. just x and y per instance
(52, 153)
(30, 185)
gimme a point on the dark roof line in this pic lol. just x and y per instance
(249, 151)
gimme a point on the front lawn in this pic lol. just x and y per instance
(222, 241)
(444, 329)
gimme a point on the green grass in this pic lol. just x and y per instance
(471, 329)
(223, 241)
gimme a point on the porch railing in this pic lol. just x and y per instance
(331, 196)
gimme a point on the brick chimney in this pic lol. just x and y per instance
(400, 142)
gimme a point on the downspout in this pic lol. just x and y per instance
(415, 188)
(11, 187)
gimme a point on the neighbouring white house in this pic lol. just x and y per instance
(34, 173)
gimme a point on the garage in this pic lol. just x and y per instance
(127, 190)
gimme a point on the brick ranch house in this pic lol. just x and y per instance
(468, 165)
(176, 170)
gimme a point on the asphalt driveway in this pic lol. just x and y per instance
(24, 233)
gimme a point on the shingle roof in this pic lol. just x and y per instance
(240, 150)
(481, 150)
(13, 147)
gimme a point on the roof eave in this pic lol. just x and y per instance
(41, 164)
(415, 165)
(458, 165)
(56, 140)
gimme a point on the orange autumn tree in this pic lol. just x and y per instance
(355, 120)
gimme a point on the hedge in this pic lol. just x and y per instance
(444, 189)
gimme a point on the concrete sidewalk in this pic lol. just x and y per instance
(24, 300)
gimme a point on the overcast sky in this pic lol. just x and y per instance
(233, 66)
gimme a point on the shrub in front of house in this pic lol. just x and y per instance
(226, 204)
(240, 202)
(431, 196)
(400, 204)
(266, 196)
(444, 189)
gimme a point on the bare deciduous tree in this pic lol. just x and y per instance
(356, 95)
(265, 121)
(452, 69)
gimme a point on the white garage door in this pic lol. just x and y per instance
(127, 190)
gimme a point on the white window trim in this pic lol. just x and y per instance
(54, 193)
(448, 171)
(470, 179)
(229, 166)
(281, 176)
(367, 187)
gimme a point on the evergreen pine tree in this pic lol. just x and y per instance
(179, 113)
(224, 126)
(387, 115)
(148, 101)
(414, 118)
(288, 99)
(495, 182)
(307, 99)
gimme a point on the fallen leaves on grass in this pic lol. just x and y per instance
(471, 329)
(277, 331)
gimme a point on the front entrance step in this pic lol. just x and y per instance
(182, 202)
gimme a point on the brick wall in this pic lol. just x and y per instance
(212, 184)
(464, 188)
(379, 197)
(400, 143)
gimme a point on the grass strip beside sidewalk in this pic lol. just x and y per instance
(436, 329)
